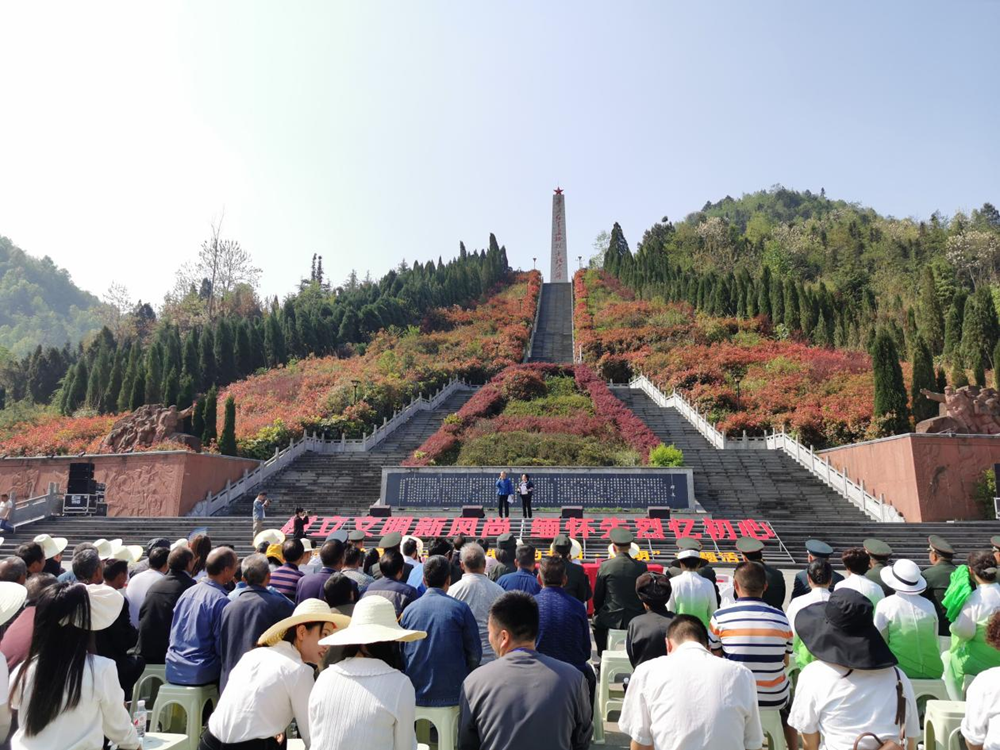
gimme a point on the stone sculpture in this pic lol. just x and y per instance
(148, 425)
(969, 410)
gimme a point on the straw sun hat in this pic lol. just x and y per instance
(105, 607)
(309, 611)
(131, 553)
(271, 536)
(12, 596)
(51, 546)
(373, 621)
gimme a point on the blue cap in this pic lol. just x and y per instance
(338, 536)
(816, 548)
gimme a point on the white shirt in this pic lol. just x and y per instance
(692, 700)
(363, 703)
(981, 725)
(842, 707)
(862, 585)
(6, 507)
(136, 590)
(691, 593)
(978, 609)
(801, 602)
(267, 688)
(479, 592)
(100, 713)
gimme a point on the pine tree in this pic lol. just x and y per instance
(206, 359)
(953, 330)
(184, 399)
(930, 319)
(225, 352)
(211, 415)
(979, 369)
(198, 419)
(942, 381)
(821, 333)
(274, 342)
(227, 442)
(244, 354)
(77, 395)
(890, 392)
(154, 374)
(171, 388)
(349, 327)
(959, 378)
(923, 377)
(257, 348)
(125, 393)
(190, 358)
(980, 328)
(109, 400)
(138, 396)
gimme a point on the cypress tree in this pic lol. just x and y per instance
(942, 381)
(979, 369)
(227, 442)
(959, 378)
(952, 330)
(154, 374)
(257, 348)
(171, 388)
(109, 401)
(274, 342)
(125, 394)
(184, 399)
(821, 332)
(211, 415)
(764, 293)
(198, 419)
(78, 389)
(923, 377)
(980, 328)
(244, 354)
(95, 388)
(138, 396)
(190, 358)
(930, 319)
(225, 352)
(890, 392)
(206, 359)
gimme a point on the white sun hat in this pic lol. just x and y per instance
(179, 543)
(904, 576)
(104, 549)
(687, 554)
(372, 621)
(420, 544)
(633, 550)
(131, 553)
(271, 536)
(12, 596)
(309, 610)
(51, 546)
(105, 607)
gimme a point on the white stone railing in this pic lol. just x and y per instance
(213, 504)
(37, 508)
(874, 507)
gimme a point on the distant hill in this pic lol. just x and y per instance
(39, 303)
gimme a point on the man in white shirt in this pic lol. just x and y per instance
(981, 725)
(690, 699)
(692, 594)
(479, 592)
(858, 562)
(819, 574)
(6, 508)
(851, 688)
(139, 584)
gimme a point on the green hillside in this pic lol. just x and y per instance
(39, 303)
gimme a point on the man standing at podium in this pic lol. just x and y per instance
(615, 600)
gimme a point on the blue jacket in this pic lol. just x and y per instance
(244, 620)
(563, 630)
(439, 664)
(505, 486)
(195, 654)
(520, 580)
(401, 595)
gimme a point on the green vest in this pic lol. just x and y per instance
(915, 645)
(974, 656)
(699, 610)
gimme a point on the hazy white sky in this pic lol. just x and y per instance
(374, 131)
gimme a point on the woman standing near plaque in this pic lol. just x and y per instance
(526, 489)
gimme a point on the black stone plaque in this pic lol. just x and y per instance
(434, 488)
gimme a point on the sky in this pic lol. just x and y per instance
(372, 132)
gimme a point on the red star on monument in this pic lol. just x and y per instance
(558, 191)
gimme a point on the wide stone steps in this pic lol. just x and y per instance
(554, 335)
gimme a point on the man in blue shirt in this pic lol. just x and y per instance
(524, 578)
(310, 586)
(505, 488)
(563, 629)
(253, 612)
(194, 656)
(436, 666)
(260, 506)
(390, 585)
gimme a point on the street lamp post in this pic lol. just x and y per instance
(534, 261)
(580, 259)
(355, 383)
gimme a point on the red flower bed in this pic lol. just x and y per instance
(57, 435)
(635, 432)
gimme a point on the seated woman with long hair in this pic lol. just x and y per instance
(77, 701)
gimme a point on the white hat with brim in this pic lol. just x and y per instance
(308, 611)
(51, 546)
(131, 553)
(372, 621)
(105, 607)
(633, 550)
(271, 536)
(12, 596)
(104, 549)
(688, 554)
(179, 543)
(904, 576)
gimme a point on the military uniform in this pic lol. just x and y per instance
(819, 551)
(392, 540)
(880, 553)
(615, 600)
(938, 577)
(774, 594)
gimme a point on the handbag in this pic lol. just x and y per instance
(900, 720)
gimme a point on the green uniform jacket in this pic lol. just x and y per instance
(938, 576)
(775, 593)
(875, 574)
(577, 583)
(499, 570)
(615, 600)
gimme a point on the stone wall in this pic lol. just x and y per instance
(925, 477)
(151, 484)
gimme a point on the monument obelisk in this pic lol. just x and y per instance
(559, 267)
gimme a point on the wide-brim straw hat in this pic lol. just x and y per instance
(104, 548)
(270, 536)
(633, 550)
(842, 631)
(904, 576)
(105, 607)
(372, 621)
(51, 546)
(179, 543)
(308, 611)
(12, 596)
(131, 553)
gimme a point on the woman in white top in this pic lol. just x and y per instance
(857, 562)
(981, 725)
(270, 685)
(969, 653)
(78, 702)
(908, 622)
(365, 701)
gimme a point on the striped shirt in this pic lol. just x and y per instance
(286, 578)
(759, 637)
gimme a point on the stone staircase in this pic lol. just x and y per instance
(554, 335)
